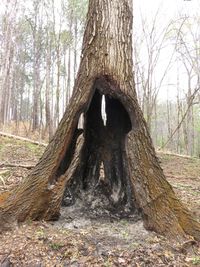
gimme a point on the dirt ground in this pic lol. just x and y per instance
(77, 240)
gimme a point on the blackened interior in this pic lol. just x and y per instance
(102, 180)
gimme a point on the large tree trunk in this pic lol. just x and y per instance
(133, 177)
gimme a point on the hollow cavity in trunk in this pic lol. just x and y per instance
(101, 183)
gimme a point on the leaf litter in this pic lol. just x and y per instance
(78, 240)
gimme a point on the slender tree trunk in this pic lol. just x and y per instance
(190, 126)
(6, 77)
(68, 93)
(156, 124)
(168, 117)
(178, 118)
(75, 46)
(47, 94)
(57, 109)
(133, 176)
(52, 92)
(65, 82)
(36, 94)
(36, 28)
(36, 85)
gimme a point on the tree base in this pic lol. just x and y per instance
(111, 163)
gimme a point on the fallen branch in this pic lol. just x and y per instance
(23, 139)
(175, 154)
(2, 180)
(16, 165)
(3, 173)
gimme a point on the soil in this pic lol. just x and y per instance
(79, 239)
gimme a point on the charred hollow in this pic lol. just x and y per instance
(101, 182)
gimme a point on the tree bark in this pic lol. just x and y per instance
(133, 175)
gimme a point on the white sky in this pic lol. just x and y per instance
(169, 8)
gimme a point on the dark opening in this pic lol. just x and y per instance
(102, 181)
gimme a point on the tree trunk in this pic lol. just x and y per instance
(68, 93)
(75, 45)
(57, 108)
(47, 92)
(36, 68)
(133, 177)
(36, 89)
(6, 75)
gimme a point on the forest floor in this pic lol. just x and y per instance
(80, 241)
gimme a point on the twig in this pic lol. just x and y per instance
(16, 165)
(3, 182)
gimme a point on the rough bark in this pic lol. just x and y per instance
(123, 145)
